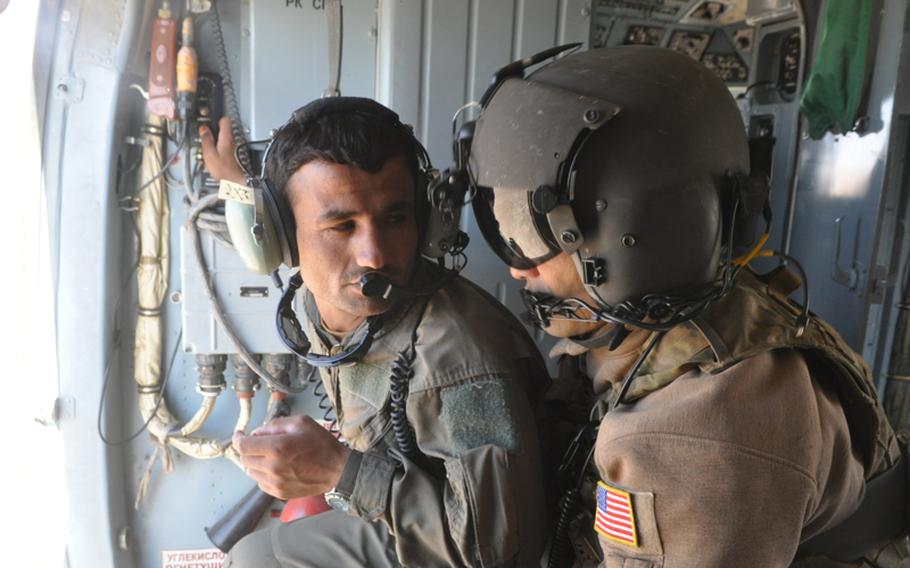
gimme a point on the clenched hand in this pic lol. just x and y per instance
(292, 457)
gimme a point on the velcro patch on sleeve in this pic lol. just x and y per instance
(615, 515)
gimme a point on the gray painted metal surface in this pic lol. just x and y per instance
(842, 177)
(82, 126)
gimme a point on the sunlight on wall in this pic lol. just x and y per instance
(846, 169)
(32, 493)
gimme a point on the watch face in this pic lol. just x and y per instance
(338, 501)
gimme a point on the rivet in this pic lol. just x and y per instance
(592, 116)
(600, 205)
(628, 240)
(568, 237)
(62, 88)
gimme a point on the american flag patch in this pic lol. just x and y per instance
(615, 517)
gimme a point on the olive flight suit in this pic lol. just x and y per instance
(740, 438)
(477, 497)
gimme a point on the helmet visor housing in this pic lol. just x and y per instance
(516, 233)
(520, 148)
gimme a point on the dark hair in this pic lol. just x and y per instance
(362, 139)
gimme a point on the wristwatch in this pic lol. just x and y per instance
(339, 497)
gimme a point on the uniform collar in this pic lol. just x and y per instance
(683, 348)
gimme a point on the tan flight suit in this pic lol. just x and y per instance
(736, 446)
(476, 376)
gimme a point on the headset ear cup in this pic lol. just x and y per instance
(279, 211)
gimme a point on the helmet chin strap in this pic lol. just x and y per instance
(653, 312)
(544, 308)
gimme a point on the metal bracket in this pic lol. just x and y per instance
(595, 271)
(63, 408)
(200, 6)
(878, 284)
(849, 277)
(70, 89)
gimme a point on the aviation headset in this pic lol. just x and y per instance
(261, 221)
(263, 228)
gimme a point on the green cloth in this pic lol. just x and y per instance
(835, 84)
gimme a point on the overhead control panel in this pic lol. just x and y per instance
(718, 33)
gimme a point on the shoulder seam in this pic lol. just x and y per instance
(734, 447)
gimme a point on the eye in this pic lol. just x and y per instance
(345, 227)
(397, 218)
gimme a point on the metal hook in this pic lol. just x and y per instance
(458, 113)
(850, 277)
(143, 92)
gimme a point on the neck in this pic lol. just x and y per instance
(605, 366)
(335, 321)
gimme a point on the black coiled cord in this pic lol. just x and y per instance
(329, 418)
(402, 372)
(230, 99)
(561, 550)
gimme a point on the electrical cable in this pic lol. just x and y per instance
(758, 84)
(561, 548)
(329, 419)
(402, 373)
(653, 312)
(241, 147)
(163, 170)
(152, 415)
(188, 177)
(633, 372)
(227, 84)
(747, 258)
(803, 319)
(217, 310)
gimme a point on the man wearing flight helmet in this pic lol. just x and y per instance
(727, 426)
(432, 381)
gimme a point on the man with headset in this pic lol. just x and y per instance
(725, 425)
(432, 380)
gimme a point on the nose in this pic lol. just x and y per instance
(370, 249)
(523, 273)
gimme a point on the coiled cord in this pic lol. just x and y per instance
(230, 98)
(402, 372)
(330, 420)
(560, 551)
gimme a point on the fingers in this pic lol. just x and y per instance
(248, 446)
(277, 436)
(225, 138)
(285, 425)
(257, 467)
(208, 143)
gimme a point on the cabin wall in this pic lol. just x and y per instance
(844, 177)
